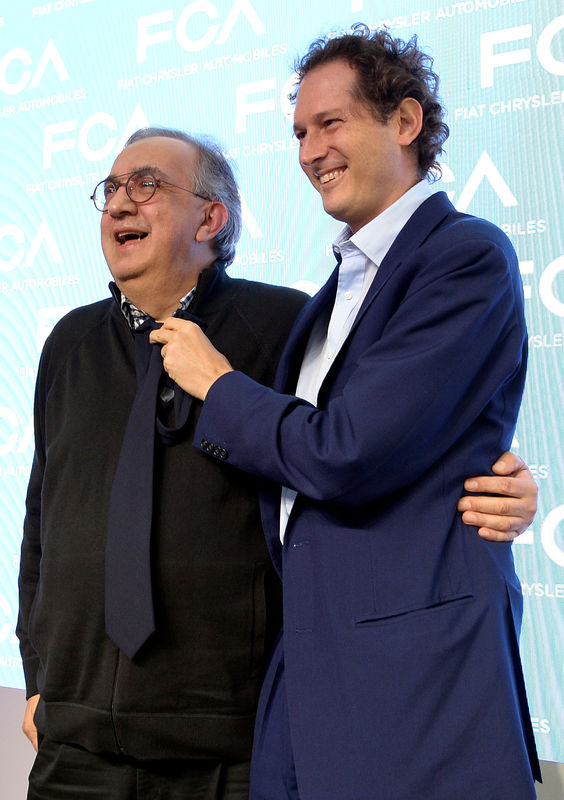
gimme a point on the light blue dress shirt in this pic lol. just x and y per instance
(361, 256)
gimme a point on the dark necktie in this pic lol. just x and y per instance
(129, 610)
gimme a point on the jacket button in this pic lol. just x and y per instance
(204, 443)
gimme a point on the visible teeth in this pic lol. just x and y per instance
(126, 236)
(330, 176)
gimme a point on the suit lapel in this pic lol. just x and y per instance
(415, 231)
(418, 227)
(285, 381)
(290, 362)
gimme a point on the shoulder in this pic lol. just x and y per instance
(442, 244)
(457, 227)
(75, 327)
(466, 228)
(85, 316)
(249, 322)
(267, 299)
(262, 307)
(438, 240)
(478, 246)
(80, 321)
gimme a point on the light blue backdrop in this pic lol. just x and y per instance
(78, 76)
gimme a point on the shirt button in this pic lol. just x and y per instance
(348, 295)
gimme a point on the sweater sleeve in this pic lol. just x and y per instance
(31, 544)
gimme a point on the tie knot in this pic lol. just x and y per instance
(147, 326)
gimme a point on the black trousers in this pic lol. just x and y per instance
(65, 772)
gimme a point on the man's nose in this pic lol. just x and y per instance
(312, 149)
(120, 203)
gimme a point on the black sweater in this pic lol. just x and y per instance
(193, 689)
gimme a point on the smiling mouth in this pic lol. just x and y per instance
(128, 236)
(330, 176)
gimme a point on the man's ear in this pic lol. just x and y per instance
(409, 120)
(214, 220)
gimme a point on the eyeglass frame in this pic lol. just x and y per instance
(157, 181)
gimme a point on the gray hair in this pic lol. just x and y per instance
(214, 180)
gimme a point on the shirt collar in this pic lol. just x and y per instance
(378, 235)
(136, 317)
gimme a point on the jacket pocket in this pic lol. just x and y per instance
(373, 619)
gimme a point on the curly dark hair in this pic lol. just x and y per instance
(388, 71)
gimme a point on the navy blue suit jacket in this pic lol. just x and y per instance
(401, 625)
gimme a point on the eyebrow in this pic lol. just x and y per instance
(318, 116)
(145, 168)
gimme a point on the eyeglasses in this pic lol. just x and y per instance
(140, 187)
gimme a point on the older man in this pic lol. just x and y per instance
(398, 676)
(175, 713)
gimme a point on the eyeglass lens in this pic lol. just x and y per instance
(140, 187)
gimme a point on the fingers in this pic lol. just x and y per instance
(498, 536)
(518, 498)
(496, 506)
(504, 517)
(162, 335)
(31, 733)
(509, 487)
(508, 463)
(28, 726)
(493, 527)
(498, 518)
(158, 336)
